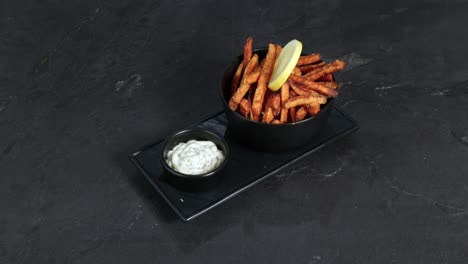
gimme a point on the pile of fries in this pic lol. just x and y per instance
(308, 87)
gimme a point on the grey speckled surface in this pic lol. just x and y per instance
(83, 84)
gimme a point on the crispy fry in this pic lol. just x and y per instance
(247, 51)
(278, 50)
(268, 116)
(313, 109)
(284, 91)
(314, 86)
(284, 98)
(252, 89)
(326, 69)
(276, 104)
(305, 100)
(253, 64)
(309, 67)
(262, 63)
(254, 117)
(300, 113)
(301, 89)
(238, 95)
(332, 85)
(326, 78)
(253, 76)
(304, 60)
(292, 114)
(296, 71)
(236, 78)
(244, 107)
(298, 89)
(292, 93)
(268, 102)
(273, 101)
(244, 87)
(250, 97)
(263, 80)
(275, 121)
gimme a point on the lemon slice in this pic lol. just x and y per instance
(285, 64)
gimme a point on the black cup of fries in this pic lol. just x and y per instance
(271, 135)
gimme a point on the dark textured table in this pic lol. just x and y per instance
(84, 84)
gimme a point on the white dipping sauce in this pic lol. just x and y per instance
(194, 157)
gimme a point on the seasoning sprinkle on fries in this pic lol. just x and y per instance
(283, 87)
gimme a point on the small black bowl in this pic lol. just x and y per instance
(199, 182)
(269, 137)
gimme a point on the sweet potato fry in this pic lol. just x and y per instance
(275, 121)
(332, 85)
(252, 89)
(292, 93)
(268, 99)
(244, 107)
(236, 78)
(292, 111)
(300, 113)
(301, 89)
(268, 116)
(284, 97)
(278, 50)
(304, 60)
(313, 109)
(263, 80)
(273, 101)
(245, 86)
(292, 114)
(251, 66)
(305, 100)
(254, 117)
(309, 67)
(247, 51)
(253, 76)
(238, 95)
(276, 104)
(262, 63)
(326, 69)
(326, 78)
(314, 86)
(296, 71)
(250, 97)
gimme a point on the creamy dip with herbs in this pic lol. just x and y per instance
(194, 157)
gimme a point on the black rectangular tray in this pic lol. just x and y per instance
(246, 167)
